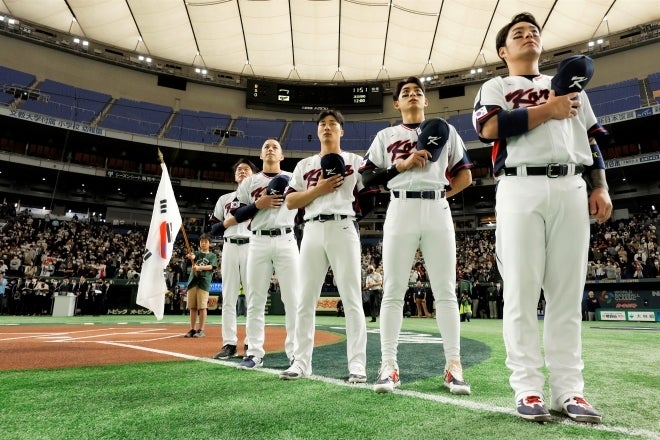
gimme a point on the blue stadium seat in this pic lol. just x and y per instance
(301, 136)
(67, 102)
(136, 117)
(358, 135)
(13, 78)
(252, 132)
(615, 98)
(199, 127)
(463, 125)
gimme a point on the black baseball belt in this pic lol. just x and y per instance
(237, 240)
(273, 232)
(327, 217)
(426, 195)
(551, 170)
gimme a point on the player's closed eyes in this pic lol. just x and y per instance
(520, 34)
(407, 94)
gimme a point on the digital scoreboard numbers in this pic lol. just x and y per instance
(360, 98)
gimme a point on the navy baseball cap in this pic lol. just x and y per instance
(332, 164)
(277, 185)
(433, 135)
(573, 74)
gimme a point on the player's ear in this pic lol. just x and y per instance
(502, 52)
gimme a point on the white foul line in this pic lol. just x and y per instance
(431, 397)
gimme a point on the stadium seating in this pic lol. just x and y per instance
(654, 82)
(252, 132)
(199, 127)
(358, 135)
(463, 125)
(301, 135)
(67, 102)
(136, 117)
(13, 78)
(615, 98)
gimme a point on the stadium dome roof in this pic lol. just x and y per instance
(326, 40)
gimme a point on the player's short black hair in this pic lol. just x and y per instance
(523, 17)
(410, 80)
(331, 112)
(205, 236)
(245, 161)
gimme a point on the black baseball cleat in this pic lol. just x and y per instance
(227, 352)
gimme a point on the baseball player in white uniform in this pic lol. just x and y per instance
(330, 238)
(272, 246)
(541, 146)
(235, 237)
(418, 216)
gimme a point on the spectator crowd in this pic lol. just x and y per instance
(41, 257)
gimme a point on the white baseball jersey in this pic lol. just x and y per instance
(267, 254)
(334, 243)
(542, 236)
(234, 266)
(225, 204)
(307, 174)
(254, 187)
(555, 141)
(395, 143)
(414, 223)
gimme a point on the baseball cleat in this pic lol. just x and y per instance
(227, 352)
(454, 378)
(250, 363)
(357, 378)
(578, 409)
(388, 377)
(533, 408)
(294, 372)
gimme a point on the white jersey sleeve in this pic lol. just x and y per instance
(225, 204)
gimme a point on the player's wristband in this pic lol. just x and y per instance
(392, 171)
(512, 122)
(379, 176)
(218, 229)
(599, 162)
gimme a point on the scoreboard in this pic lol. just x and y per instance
(356, 98)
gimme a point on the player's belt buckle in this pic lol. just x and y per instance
(427, 195)
(554, 170)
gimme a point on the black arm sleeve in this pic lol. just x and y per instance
(217, 229)
(366, 201)
(245, 212)
(378, 176)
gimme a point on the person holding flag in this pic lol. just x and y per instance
(165, 224)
